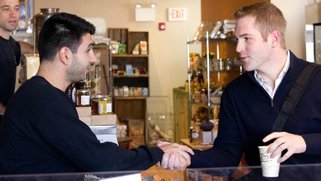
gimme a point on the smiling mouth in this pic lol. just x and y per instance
(12, 22)
(243, 58)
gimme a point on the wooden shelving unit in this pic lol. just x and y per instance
(131, 109)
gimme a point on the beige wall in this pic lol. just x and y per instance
(168, 49)
(168, 65)
(294, 12)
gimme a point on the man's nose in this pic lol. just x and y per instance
(93, 59)
(13, 12)
(239, 47)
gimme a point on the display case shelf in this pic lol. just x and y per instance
(203, 97)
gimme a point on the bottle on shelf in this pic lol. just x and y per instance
(101, 105)
(195, 138)
(186, 86)
(204, 96)
(82, 94)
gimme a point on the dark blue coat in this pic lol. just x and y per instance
(248, 113)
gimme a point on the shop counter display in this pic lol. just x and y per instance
(105, 126)
(311, 172)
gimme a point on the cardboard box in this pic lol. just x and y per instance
(84, 111)
(86, 119)
(99, 120)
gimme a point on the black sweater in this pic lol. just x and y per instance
(9, 59)
(248, 113)
(41, 133)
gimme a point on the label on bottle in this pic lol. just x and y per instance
(108, 107)
(102, 107)
(195, 135)
(85, 100)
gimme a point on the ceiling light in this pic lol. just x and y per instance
(153, 5)
(138, 5)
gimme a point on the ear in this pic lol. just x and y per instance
(65, 55)
(275, 38)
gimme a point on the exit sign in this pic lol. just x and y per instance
(177, 14)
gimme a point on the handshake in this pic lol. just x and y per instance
(175, 156)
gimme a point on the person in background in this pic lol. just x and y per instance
(250, 103)
(9, 51)
(41, 131)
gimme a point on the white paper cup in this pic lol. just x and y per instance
(270, 166)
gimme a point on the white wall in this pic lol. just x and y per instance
(294, 12)
(168, 49)
(168, 65)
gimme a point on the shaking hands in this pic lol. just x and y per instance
(175, 156)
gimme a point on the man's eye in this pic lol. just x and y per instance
(4, 9)
(89, 50)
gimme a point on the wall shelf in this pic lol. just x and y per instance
(129, 55)
(130, 71)
(129, 98)
(131, 76)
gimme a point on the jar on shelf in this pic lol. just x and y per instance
(195, 137)
(145, 91)
(101, 105)
(186, 86)
(94, 105)
(197, 96)
(203, 97)
(105, 105)
(220, 64)
(82, 94)
(228, 64)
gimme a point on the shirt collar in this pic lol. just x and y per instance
(279, 79)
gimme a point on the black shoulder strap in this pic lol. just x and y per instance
(294, 95)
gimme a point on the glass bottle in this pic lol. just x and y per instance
(82, 95)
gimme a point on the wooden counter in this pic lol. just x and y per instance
(159, 174)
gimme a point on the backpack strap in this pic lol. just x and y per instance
(295, 95)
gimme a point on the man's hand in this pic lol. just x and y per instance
(285, 141)
(175, 156)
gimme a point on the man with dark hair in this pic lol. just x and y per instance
(9, 51)
(41, 130)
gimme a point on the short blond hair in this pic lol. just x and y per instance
(268, 18)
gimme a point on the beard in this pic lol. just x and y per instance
(9, 27)
(77, 71)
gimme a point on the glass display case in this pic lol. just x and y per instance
(311, 172)
(208, 73)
